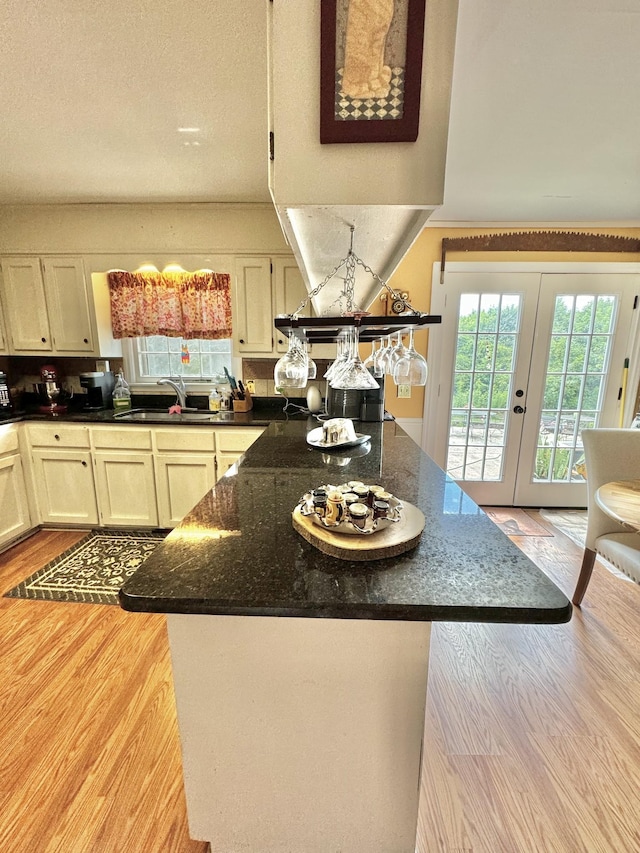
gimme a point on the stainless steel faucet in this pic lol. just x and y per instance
(179, 388)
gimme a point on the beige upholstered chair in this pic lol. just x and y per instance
(610, 454)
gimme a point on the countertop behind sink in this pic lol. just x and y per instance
(265, 411)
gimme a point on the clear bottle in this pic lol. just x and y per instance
(121, 394)
(214, 400)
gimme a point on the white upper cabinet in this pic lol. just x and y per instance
(27, 315)
(252, 310)
(68, 304)
(289, 293)
(47, 305)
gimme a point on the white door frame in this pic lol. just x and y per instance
(431, 397)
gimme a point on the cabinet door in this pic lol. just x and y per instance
(253, 313)
(14, 509)
(68, 304)
(224, 461)
(237, 439)
(125, 485)
(63, 486)
(181, 481)
(25, 303)
(4, 344)
(290, 291)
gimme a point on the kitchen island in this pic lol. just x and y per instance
(301, 726)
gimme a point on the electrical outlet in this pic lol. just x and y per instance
(250, 385)
(404, 390)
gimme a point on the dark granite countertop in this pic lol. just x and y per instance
(264, 412)
(237, 552)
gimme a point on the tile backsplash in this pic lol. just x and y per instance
(24, 371)
(260, 370)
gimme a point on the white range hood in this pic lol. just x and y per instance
(387, 191)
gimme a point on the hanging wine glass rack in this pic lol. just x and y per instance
(325, 330)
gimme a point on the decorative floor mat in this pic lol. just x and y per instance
(91, 571)
(515, 522)
(572, 522)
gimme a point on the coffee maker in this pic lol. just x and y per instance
(49, 390)
(98, 387)
(356, 404)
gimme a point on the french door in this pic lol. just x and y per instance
(525, 361)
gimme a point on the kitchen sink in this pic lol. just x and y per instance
(163, 415)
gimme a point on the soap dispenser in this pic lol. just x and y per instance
(121, 394)
(214, 400)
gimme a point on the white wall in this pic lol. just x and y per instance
(391, 173)
(140, 229)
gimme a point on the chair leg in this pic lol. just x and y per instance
(585, 576)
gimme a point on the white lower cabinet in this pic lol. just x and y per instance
(124, 476)
(116, 476)
(15, 518)
(65, 491)
(62, 474)
(232, 443)
(185, 469)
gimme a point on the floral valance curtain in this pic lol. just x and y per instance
(175, 304)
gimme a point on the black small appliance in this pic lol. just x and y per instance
(98, 387)
(356, 404)
(6, 406)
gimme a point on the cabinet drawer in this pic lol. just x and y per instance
(58, 435)
(185, 439)
(238, 439)
(121, 438)
(8, 438)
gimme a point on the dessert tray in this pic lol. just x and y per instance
(346, 525)
(385, 536)
(315, 439)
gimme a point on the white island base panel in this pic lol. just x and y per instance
(300, 735)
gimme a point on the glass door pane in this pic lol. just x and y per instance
(578, 361)
(580, 346)
(487, 332)
(485, 357)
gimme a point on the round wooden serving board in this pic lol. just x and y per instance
(388, 542)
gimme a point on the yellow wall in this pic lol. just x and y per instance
(414, 276)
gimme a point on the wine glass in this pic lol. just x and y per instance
(292, 368)
(312, 367)
(371, 362)
(382, 357)
(397, 352)
(411, 368)
(353, 374)
(341, 357)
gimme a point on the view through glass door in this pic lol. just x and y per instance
(527, 361)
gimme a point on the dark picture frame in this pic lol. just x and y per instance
(333, 128)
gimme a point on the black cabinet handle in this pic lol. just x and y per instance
(57, 437)
(241, 340)
(44, 340)
(86, 340)
(84, 463)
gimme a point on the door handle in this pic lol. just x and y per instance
(519, 410)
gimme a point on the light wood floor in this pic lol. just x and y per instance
(533, 732)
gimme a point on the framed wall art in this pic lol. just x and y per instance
(370, 70)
